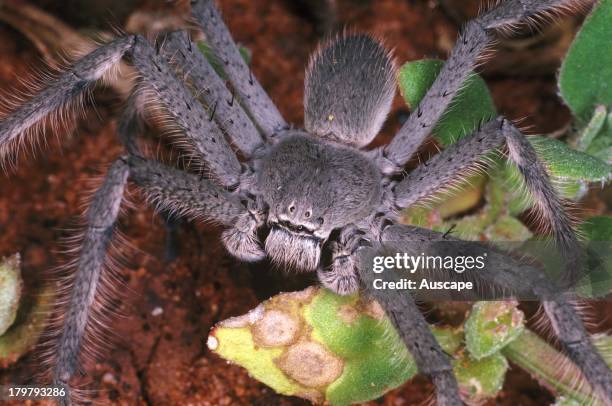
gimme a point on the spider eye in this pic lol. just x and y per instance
(320, 221)
(300, 228)
(291, 209)
(307, 214)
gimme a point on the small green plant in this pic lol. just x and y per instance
(11, 286)
(22, 316)
(343, 350)
(585, 84)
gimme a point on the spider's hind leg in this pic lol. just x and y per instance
(167, 189)
(516, 278)
(228, 113)
(253, 97)
(442, 169)
(101, 217)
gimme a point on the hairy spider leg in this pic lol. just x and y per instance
(472, 43)
(188, 113)
(441, 171)
(252, 96)
(412, 327)
(203, 134)
(511, 276)
(165, 188)
(184, 194)
(222, 105)
(15, 129)
(101, 217)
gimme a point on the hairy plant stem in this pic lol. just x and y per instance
(553, 369)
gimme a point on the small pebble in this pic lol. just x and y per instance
(109, 379)
(157, 311)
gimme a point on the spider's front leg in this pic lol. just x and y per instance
(347, 274)
(185, 55)
(56, 96)
(517, 279)
(341, 274)
(186, 195)
(444, 169)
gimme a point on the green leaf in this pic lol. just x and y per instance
(318, 345)
(593, 128)
(30, 322)
(586, 75)
(598, 234)
(566, 163)
(604, 153)
(321, 346)
(507, 228)
(471, 106)
(566, 401)
(491, 326)
(597, 228)
(367, 342)
(450, 339)
(603, 343)
(480, 380)
(571, 171)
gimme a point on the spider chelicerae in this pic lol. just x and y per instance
(296, 194)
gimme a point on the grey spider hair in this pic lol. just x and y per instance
(314, 190)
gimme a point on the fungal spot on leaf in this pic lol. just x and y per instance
(348, 313)
(302, 295)
(275, 328)
(314, 396)
(245, 320)
(374, 310)
(310, 364)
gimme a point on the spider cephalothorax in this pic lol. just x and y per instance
(299, 193)
(312, 188)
